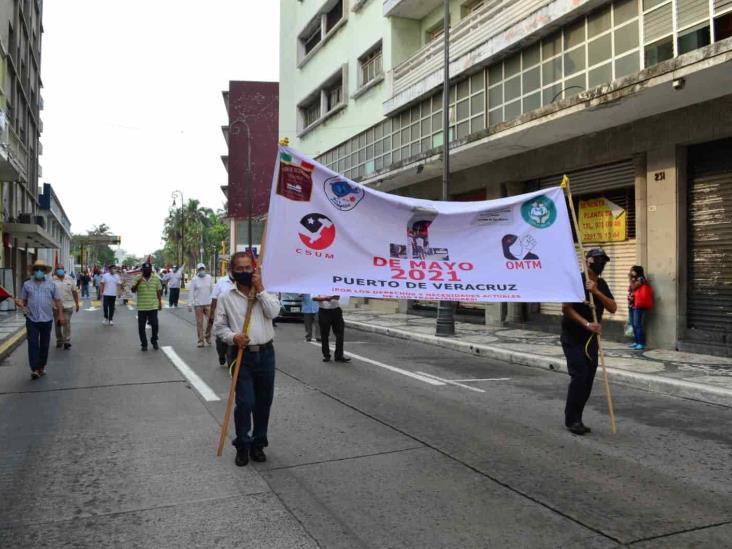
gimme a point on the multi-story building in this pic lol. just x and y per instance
(20, 129)
(57, 224)
(251, 130)
(631, 98)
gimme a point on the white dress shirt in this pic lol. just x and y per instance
(231, 308)
(332, 304)
(174, 278)
(201, 289)
(111, 284)
(223, 285)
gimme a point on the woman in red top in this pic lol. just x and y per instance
(639, 301)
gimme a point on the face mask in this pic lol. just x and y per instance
(597, 267)
(39, 275)
(60, 272)
(201, 273)
(245, 279)
(147, 272)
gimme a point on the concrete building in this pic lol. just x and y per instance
(57, 224)
(20, 129)
(251, 129)
(631, 98)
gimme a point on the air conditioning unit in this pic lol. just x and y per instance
(24, 218)
(41, 221)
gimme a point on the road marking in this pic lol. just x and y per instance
(453, 383)
(206, 392)
(484, 379)
(407, 373)
(91, 309)
(130, 307)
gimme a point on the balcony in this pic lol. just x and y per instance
(410, 9)
(15, 166)
(476, 41)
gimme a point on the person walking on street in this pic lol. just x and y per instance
(70, 300)
(84, 280)
(310, 317)
(40, 296)
(164, 280)
(330, 315)
(640, 300)
(255, 385)
(149, 292)
(579, 339)
(109, 288)
(174, 283)
(97, 285)
(201, 289)
(222, 286)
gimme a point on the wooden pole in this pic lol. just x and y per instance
(251, 300)
(583, 262)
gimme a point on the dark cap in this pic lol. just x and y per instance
(146, 265)
(597, 252)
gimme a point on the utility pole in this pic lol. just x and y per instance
(446, 309)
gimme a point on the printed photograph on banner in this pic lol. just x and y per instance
(295, 179)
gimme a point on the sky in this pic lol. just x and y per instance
(133, 107)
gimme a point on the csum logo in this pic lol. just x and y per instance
(319, 231)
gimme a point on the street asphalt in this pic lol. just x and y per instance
(408, 445)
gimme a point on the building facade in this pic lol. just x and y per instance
(57, 224)
(250, 134)
(20, 129)
(631, 98)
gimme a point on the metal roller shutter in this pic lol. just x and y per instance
(609, 180)
(709, 297)
(689, 12)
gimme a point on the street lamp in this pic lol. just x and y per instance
(446, 309)
(179, 248)
(234, 129)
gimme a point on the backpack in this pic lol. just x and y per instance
(643, 297)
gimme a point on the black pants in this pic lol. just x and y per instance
(173, 296)
(581, 370)
(39, 338)
(221, 349)
(331, 318)
(143, 317)
(108, 305)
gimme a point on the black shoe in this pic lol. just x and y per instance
(308, 339)
(318, 339)
(242, 457)
(586, 428)
(343, 359)
(67, 346)
(143, 347)
(326, 359)
(222, 361)
(155, 346)
(35, 374)
(257, 455)
(59, 345)
(576, 428)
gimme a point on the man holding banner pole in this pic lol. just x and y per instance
(580, 339)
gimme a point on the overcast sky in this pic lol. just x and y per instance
(133, 105)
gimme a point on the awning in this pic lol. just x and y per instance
(30, 235)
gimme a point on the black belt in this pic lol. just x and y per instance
(258, 348)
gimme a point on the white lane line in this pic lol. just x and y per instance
(407, 373)
(484, 379)
(130, 307)
(453, 383)
(206, 392)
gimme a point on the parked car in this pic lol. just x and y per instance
(291, 306)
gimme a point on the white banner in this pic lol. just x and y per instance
(328, 235)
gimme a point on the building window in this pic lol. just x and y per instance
(320, 28)
(371, 66)
(328, 98)
(435, 32)
(311, 40)
(469, 8)
(311, 113)
(723, 27)
(334, 15)
(333, 96)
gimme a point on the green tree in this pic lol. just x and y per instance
(193, 232)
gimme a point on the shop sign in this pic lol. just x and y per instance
(601, 220)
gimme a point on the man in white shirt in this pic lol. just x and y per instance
(66, 289)
(255, 385)
(223, 285)
(174, 283)
(201, 289)
(109, 288)
(330, 315)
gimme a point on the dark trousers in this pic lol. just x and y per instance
(581, 370)
(254, 394)
(85, 290)
(221, 348)
(310, 320)
(173, 296)
(39, 338)
(108, 305)
(143, 317)
(331, 318)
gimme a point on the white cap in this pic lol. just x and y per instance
(200, 266)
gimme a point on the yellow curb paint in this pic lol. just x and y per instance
(12, 341)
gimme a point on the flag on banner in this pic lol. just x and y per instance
(328, 235)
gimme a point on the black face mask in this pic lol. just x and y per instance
(146, 272)
(597, 267)
(245, 279)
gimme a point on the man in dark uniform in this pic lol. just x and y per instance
(579, 339)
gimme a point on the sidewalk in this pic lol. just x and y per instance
(12, 332)
(699, 377)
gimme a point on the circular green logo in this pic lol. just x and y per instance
(539, 212)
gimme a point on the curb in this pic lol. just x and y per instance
(11, 343)
(647, 382)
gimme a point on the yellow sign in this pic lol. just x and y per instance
(601, 220)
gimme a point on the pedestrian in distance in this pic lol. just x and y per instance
(109, 287)
(201, 289)
(84, 281)
(579, 339)
(255, 385)
(164, 280)
(174, 283)
(70, 301)
(39, 298)
(97, 285)
(149, 292)
(640, 300)
(310, 317)
(330, 316)
(225, 284)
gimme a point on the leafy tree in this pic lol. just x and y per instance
(193, 232)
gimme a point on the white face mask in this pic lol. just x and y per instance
(201, 273)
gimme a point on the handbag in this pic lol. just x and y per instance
(643, 297)
(629, 330)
